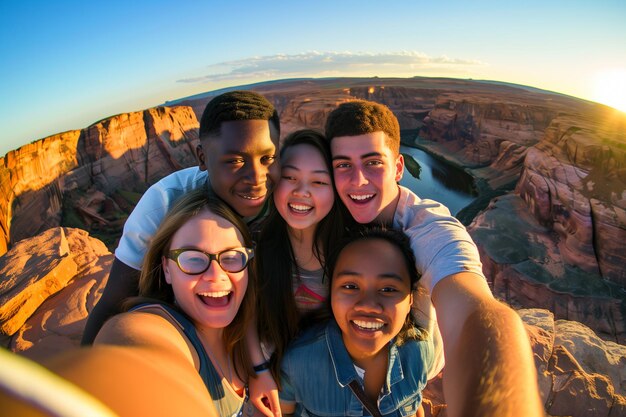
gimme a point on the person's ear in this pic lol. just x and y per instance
(399, 167)
(166, 270)
(200, 156)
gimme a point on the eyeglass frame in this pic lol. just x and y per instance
(175, 253)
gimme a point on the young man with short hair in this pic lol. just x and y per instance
(490, 370)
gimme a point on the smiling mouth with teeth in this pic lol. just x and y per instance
(214, 294)
(300, 208)
(368, 325)
(251, 197)
(361, 197)
(215, 298)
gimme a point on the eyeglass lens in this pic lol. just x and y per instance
(196, 262)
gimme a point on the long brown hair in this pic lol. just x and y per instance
(152, 284)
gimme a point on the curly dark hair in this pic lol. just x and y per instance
(361, 117)
(237, 105)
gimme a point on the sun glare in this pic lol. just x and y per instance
(610, 88)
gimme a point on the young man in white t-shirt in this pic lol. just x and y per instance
(489, 365)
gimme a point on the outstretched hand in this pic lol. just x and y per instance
(264, 394)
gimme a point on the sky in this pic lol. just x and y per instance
(67, 64)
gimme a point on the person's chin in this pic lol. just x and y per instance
(362, 215)
(362, 211)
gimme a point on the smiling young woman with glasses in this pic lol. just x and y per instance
(193, 299)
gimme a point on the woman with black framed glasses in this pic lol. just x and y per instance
(193, 300)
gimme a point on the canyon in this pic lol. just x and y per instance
(549, 221)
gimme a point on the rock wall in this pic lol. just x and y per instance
(30, 183)
(49, 284)
(574, 182)
(128, 151)
(490, 131)
(524, 265)
(557, 240)
(569, 226)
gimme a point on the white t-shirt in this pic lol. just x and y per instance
(442, 247)
(147, 215)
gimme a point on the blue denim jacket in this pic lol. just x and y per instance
(317, 369)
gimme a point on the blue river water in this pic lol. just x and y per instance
(438, 181)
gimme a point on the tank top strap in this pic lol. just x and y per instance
(211, 378)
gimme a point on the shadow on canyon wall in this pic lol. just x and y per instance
(92, 178)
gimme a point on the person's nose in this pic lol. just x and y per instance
(257, 173)
(215, 272)
(357, 177)
(301, 190)
(368, 302)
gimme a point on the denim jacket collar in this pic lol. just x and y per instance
(344, 366)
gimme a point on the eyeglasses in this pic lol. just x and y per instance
(195, 262)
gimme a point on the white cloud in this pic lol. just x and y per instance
(316, 64)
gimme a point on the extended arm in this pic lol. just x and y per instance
(489, 365)
(122, 283)
(139, 365)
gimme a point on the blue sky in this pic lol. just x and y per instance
(67, 64)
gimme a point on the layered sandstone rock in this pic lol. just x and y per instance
(49, 284)
(140, 147)
(574, 378)
(37, 268)
(574, 182)
(524, 264)
(579, 374)
(562, 245)
(124, 152)
(488, 130)
(59, 322)
(31, 184)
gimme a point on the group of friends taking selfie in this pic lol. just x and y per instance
(298, 277)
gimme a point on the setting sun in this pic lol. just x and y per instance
(610, 88)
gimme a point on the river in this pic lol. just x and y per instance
(438, 181)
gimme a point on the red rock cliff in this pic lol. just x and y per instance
(557, 241)
(127, 151)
